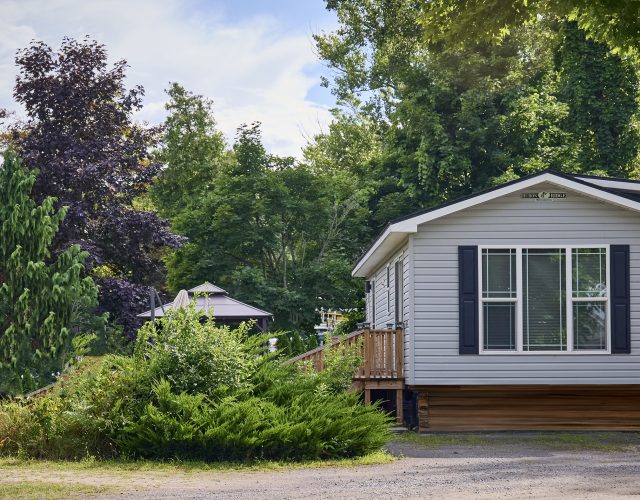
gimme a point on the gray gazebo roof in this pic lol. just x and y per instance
(206, 287)
(218, 303)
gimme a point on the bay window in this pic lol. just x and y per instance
(544, 299)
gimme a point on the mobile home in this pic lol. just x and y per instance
(520, 305)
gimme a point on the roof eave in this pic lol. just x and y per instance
(386, 244)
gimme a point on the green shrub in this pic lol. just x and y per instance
(309, 426)
(46, 428)
(292, 343)
(196, 356)
(194, 390)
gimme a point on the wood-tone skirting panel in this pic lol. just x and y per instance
(484, 408)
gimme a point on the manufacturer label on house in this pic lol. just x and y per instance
(544, 195)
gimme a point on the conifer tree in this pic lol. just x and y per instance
(39, 293)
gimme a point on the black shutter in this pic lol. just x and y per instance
(620, 300)
(468, 295)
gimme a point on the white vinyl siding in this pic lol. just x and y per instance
(408, 306)
(384, 279)
(577, 220)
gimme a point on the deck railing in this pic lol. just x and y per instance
(382, 353)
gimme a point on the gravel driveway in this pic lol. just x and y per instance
(499, 470)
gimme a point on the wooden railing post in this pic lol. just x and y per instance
(389, 354)
(367, 352)
(399, 334)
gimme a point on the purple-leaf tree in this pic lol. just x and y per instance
(95, 160)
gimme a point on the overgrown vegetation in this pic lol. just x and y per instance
(42, 297)
(194, 390)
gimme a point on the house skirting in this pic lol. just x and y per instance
(549, 407)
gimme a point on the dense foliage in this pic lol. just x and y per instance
(616, 23)
(436, 100)
(192, 153)
(194, 390)
(95, 161)
(273, 232)
(42, 296)
(452, 120)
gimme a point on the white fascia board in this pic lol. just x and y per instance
(612, 183)
(382, 245)
(357, 270)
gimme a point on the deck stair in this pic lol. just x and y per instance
(382, 352)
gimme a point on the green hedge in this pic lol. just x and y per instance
(194, 390)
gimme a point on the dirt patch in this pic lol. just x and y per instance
(476, 468)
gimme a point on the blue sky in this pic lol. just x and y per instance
(254, 58)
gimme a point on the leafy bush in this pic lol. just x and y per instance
(292, 343)
(195, 356)
(195, 390)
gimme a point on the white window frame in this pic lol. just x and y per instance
(388, 289)
(569, 300)
(398, 290)
(373, 302)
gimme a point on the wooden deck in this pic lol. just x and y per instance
(382, 352)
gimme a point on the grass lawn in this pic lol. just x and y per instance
(594, 441)
(48, 489)
(30, 478)
(133, 466)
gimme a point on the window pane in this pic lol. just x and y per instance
(499, 325)
(498, 273)
(589, 272)
(544, 296)
(589, 326)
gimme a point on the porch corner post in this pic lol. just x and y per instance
(399, 350)
(367, 354)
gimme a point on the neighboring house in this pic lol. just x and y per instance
(212, 300)
(329, 321)
(520, 305)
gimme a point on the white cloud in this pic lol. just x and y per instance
(253, 70)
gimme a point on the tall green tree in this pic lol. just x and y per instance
(456, 119)
(40, 294)
(601, 90)
(191, 154)
(272, 232)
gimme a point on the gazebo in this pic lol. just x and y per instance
(211, 299)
